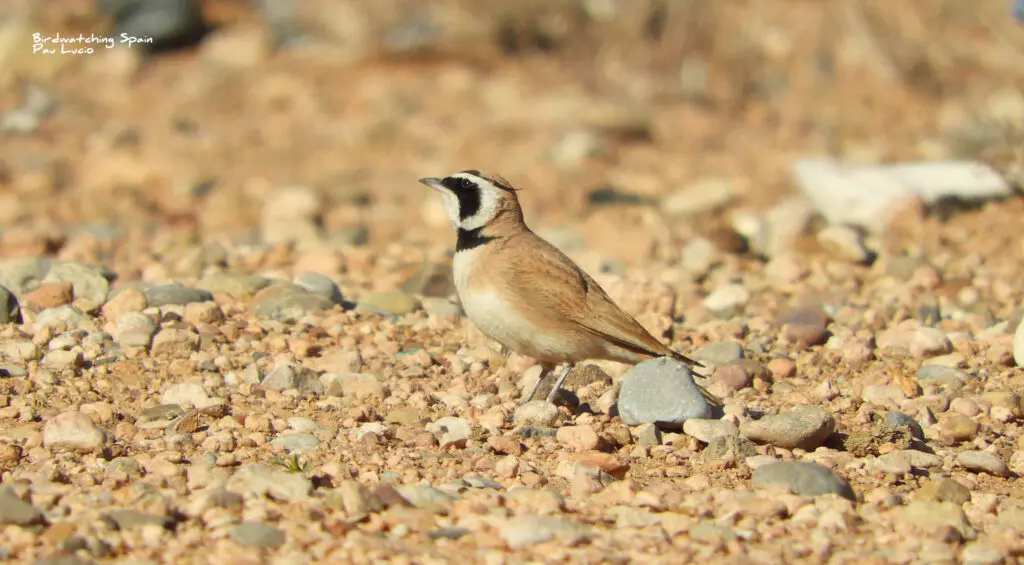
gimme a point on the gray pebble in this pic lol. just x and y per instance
(286, 302)
(803, 478)
(536, 414)
(87, 282)
(14, 510)
(10, 311)
(233, 284)
(175, 294)
(661, 391)
(718, 353)
(22, 273)
(126, 519)
(898, 419)
(938, 375)
(319, 284)
(67, 314)
(804, 427)
(258, 534)
(983, 462)
(295, 443)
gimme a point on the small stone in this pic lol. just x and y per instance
(17, 512)
(51, 295)
(361, 386)
(727, 299)
(258, 534)
(73, 430)
(733, 376)
(944, 490)
(426, 497)
(938, 375)
(187, 394)
(805, 325)
(256, 480)
(163, 412)
(718, 353)
(708, 430)
(729, 448)
(929, 342)
(295, 443)
(536, 414)
(175, 342)
(701, 196)
(883, 395)
(451, 432)
(803, 478)
(978, 553)
(392, 303)
(88, 283)
(63, 359)
(319, 284)
(20, 351)
(175, 294)
(803, 427)
(983, 462)
(899, 419)
(782, 368)
(124, 301)
(661, 391)
(930, 516)
(357, 500)
(895, 462)
(958, 427)
(126, 519)
(236, 285)
(203, 313)
(67, 315)
(125, 466)
(844, 243)
(134, 330)
(288, 303)
(523, 531)
(580, 438)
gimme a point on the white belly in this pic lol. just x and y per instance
(494, 314)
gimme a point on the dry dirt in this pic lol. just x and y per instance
(238, 418)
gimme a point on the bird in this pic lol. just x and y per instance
(524, 293)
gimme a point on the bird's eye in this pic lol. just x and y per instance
(466, 184)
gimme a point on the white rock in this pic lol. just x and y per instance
(73, 430)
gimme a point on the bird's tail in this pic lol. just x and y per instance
(712, 399)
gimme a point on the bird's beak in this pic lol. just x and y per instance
(432, 182)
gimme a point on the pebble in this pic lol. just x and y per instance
(20, 351)
(287, 302)
(726, 300)
(63, 359)
(392, 303)
(734, 376)
(938, 375)
(898, 419)
(66, 315)
(319, 284)
(257, 480)
(718, 353)
(51, 295)
(361, 386)
(177, 342)
(134, 330)
(930, 515)
(958, 427)
(527, 530)
(536, 414)
(258, 534)
(295, 443)
(661, 391)
(124, 301)
(806, 325)
(803, 427)
(17, 512)
(10, 311)
(843, 243)
(580, 438)
(88, 283)
(175, 294)
(451, 431)
(983, 462)
(698, 256)
(929, 342)
(979, 553)
(187, 394)
(944, 490)
(73, 430)
(203, 313)
(709, 430)
(426, 497)
(803, 478)
(236, 285)
(894, 462)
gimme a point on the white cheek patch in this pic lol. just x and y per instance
(451, 207)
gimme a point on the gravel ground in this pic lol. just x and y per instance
(230, 332)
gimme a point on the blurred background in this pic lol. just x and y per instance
(634, 126)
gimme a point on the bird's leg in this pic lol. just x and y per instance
(558, 382)
(546, 369)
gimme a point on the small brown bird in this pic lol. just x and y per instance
(524, 293)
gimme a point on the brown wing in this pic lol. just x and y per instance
(555, 284)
